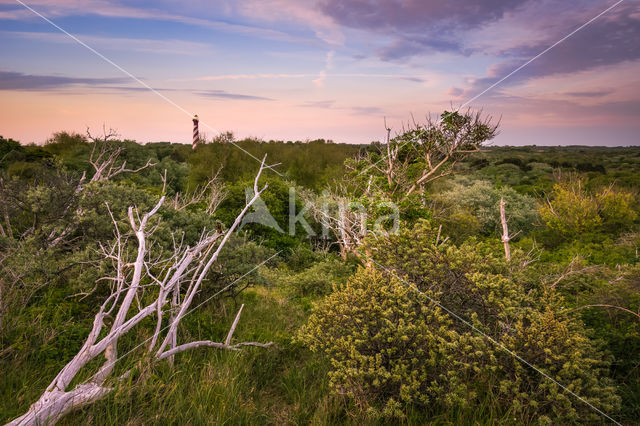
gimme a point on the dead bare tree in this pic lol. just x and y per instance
(105, 160)
(386, 161)
(345, 219)
(348, 219)
(105, 157)
(212, 193)
(141, 279)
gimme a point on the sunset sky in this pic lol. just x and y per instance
(333, 69)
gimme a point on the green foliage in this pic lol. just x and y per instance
(71, 148)
(237, 269)
(573, 212)
(616, 209)
(284, 384)
(7, 148)
(393, 353)
(315, 279)
(481, 200)
(608, 301)
(268, 220)
(383, 351)
(392, 347)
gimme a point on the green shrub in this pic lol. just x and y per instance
(315, 280)
(388, 348)
(393, 349)
(481, 200)
(574, 212)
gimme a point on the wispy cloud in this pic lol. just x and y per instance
(18, 81)
(15, 14)
(221, 94)
(322, 75)
(367, 110)
(608, 41)
(180, 47)
(417, 27)
(303, 13)
(411, 78)
(331, 104)
(61, 8)
(589, 93)
(314, 76)
(318, 104)
(252, 76)
(455, 92)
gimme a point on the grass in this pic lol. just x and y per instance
(283, 384)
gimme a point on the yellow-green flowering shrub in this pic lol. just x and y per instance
(393, 348)
(572, 211)
(388, 348)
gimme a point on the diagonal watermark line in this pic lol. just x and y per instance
(581, 27)
(109, 61)
(494, 341)
(104, 58)
(541, 53)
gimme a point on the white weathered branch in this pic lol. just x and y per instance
(505, 231)
(105, 159)
(233, 326)
(137, 280)
(208, 343)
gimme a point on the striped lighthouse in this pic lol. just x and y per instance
(196, 135)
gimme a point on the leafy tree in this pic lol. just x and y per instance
(422, 154)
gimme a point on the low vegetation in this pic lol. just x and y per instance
(410, 313)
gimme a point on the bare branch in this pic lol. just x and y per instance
(602, 305)
(572, 269)
(233, 326)
(138, 280)
(505, 231)
(104, 157)
(210, 344)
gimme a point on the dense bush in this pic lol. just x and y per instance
(393, 348)
(315, 278)
(481, 200)
(393, 353)
(572, 211)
